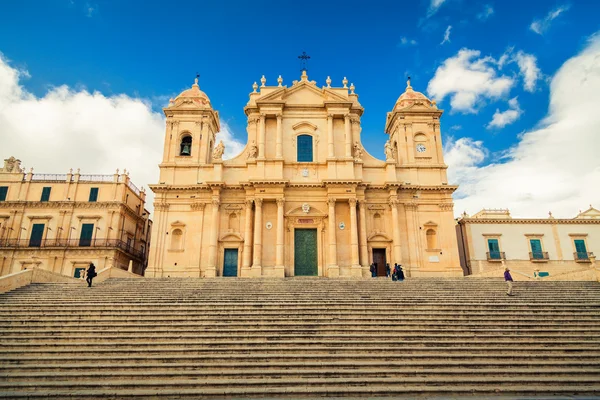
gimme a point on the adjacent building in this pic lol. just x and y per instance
(63, 222)
(492, 238)
(303, 197)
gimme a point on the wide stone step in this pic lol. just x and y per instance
(287, 382)
(103, 377)
(225, 366)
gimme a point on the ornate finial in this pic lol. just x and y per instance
(78, 170)
(408, 83)
(345, 83)
(31, 170)
(71, 171)
(263, 80)
(304, 76)
(117, 171)
(279, 81)
(254, 87)
(303, 59)
(328, 82)
(550, 214)
(196, 79)
(352, 88)
(464, 214)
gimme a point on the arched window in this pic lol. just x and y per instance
(185, 148)
(431, 239)
(234, 222)
(177, 239)
(377, 222)
(305, 148)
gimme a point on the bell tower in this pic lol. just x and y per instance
(191, 128)
(415, 140)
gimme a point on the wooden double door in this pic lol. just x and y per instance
(380, 260)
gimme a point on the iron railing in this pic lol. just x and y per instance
(50, 177)
(96, 178)
(133, 188)
(67, 243)
(538, 256)
(495, 256)
(582, 256)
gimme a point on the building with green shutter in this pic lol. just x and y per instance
(64, 222)
(491, 239)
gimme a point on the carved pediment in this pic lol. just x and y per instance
(231, 237)
(302, 93)
(379, 237)
(300, 212)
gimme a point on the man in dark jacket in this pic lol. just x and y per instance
(509, 281)
(90, 274)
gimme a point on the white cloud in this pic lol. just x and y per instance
(434, 6)
(67, 128)
(501, 119)
(404, 41)
(468, 79)
(487, 12)
(540, 26)
(528, 69)
(447, 35)
(554, 167)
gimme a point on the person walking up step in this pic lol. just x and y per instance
(90, 274)
(509, 281)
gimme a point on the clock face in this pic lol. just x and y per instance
(421, 148)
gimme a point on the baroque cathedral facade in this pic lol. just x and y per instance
(303, 198)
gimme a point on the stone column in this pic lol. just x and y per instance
(279, 142)
(197, 260)
(332, 239)
(211, 269)
(247, 258)
(256, 265)
(280, 230)
(330, 147)
(354, 239)
(364, 255)
(348, 131)
(396, 231)
(261, 137)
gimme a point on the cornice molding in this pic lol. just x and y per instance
(529, 221)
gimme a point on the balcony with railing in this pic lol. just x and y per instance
(538, 256)
(495, 256)
(74, 243)
(582, 256)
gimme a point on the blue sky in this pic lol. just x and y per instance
(151, 50)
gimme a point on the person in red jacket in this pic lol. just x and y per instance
(509, 281)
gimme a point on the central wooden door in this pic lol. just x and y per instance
(379, 259)
(230, 262)
(305, 252)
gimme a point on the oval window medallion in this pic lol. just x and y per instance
(342, 225)
(269, 225)
(305, 172)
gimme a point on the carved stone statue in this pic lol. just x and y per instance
(389, 151)
(218, 151)
(253, 152)
(12, 165)
(357, 152)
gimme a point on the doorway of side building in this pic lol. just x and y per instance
(380, 260)
(305, 252)
(230, 262)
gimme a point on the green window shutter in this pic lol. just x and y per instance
(494, 249)
(37, 233)
(305, 148)
(46, 194)
(87, 231)
(93, 194)
(3, 192)
(536, 248)
(580, 249)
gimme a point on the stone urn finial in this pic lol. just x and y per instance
(328, 81)
(263, 80)
(279, 81)
(254, 87)
(352, 88)
(345, 83)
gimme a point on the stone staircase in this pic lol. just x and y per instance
(299, 337)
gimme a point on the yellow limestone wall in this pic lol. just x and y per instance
(254, 201)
